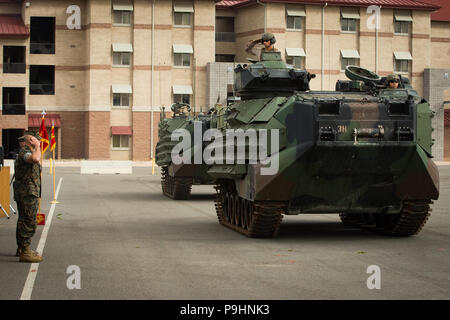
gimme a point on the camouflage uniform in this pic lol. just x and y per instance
(27, 190)
(250, 47)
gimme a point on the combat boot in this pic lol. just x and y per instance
(19, 250)
(28, 255)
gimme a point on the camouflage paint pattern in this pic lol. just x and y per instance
(165, 145)
(351, 152)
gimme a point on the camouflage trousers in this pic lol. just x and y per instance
(26, 224)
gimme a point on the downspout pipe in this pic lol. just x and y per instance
(152, 80)
(194, 62)
(323, 44)
(265, 14)
(378, 18)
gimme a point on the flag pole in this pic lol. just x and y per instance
(53, 145)
(42, 155)
(40, 195)
(54, 167)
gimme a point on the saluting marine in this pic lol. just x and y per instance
(267, 39)
(27, 190)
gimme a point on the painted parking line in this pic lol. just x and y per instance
(29, 283)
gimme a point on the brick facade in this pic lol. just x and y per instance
(85, 71)
(141, 136)
(97, 135)
(73, 129)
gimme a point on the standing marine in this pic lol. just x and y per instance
(267, 39)
(27, 191)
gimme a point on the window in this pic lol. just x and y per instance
(295, 56)
(121, 95)
(122, 54)
(348, 62)
(297, 62)
(401, 66)
(14, 59)
(122, 12)
(42, 79)
(182, 59)
(121, 99)
(349, 19)
(401, 61)
(42, 35)
(402, 19)
(401, 27)
(182, 13)
(182, 98)
(121, 58)
(225, 29)
(294, 23)
(182, 94)
(182, 18)
(13, 101)
(182, 55)
(349, 57)
(120, 141)
(294, 18)
(122, 17)
(348, 25)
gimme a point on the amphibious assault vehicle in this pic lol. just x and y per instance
(362, 151)
(177, 178)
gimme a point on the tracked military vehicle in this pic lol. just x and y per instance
(362, 151)
(177, 178)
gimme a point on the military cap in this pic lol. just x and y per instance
(269, 36)
(392, 77)
(32, 133)
(21, 139)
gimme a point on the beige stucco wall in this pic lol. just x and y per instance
(440, 45)
(83, 59)
(249, 24)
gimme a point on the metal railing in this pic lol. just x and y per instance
(14, 67)
(42, 88)
(16, 109)
(226, 36)
(42, 48)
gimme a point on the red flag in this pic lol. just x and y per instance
(52, 138)
(44, 135)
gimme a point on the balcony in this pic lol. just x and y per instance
(13, 109)
(225, 36)
(42, 88)
(42, 48)
(42, 35)
(225, 29)
(14, 59)
(14, 67)
(42, 79)
(13, 100)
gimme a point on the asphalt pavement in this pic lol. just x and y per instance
(117, 237)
